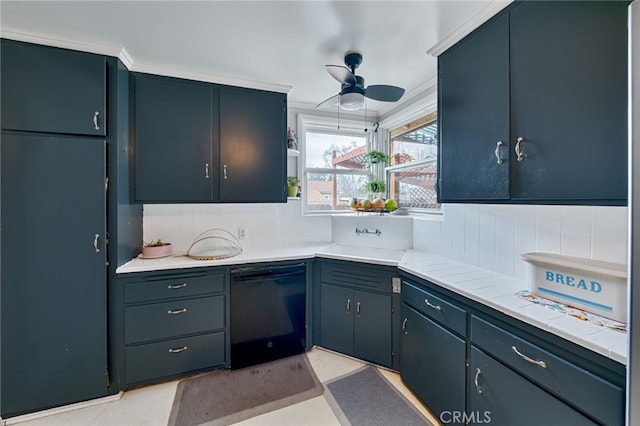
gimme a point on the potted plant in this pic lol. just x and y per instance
(375, 157)
(157, 248)
(292, 186)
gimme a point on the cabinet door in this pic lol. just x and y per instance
(473, 108)
(53, 278)
(52, 90)
(372, 327)
(497, 395)
(174, 132)
(337, 306)
(569, 100)
(253, 145)
(432, 363)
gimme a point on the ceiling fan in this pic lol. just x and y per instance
(353, 91)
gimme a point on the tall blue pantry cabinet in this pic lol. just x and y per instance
(54, 246)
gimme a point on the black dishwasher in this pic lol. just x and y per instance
(267, 313)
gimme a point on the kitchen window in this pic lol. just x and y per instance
(334, 168)
(412, 174)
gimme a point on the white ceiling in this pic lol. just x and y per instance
(284, 44)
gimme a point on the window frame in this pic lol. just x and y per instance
(333, 126)
(409, 127)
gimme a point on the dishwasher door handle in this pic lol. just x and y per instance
(263, 269)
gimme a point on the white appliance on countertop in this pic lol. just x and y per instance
(633, 356)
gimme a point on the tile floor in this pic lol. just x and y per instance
(151, 405)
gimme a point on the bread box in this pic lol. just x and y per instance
(595, 286)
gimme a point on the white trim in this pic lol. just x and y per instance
(59, 410)
(483, 15)
(121, 53)
(422, 104)
(83, 46)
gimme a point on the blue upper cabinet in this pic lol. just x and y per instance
(253, 146)
(174, 139)
(203, 142)
(52, 90)
(533, 107)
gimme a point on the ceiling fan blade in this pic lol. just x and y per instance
(330, 102)
(342, 74)
(383, 92)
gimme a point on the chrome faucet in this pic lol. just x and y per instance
(366, 231)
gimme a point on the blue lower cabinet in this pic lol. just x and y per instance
(432, 360)
(471, 364)
(170, 324)
(357, 323)
(500, 396)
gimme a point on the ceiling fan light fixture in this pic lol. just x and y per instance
(351, 101)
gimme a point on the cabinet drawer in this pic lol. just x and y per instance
(590, 393)
(172, 287)
(172, 319)
(435, 307)
(171, 357)
(355, 276)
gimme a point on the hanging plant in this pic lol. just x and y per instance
(375, 157)
(376, 187)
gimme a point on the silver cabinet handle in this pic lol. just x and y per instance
(497, 152)
(438, 307)
(95, 120)
(224, 171)
(96, 239)
(519, 154)
(176, 286)
(178, 350)
(348, 305)
(358, 308)
(526, 358)
(404, 325)
(206, 170)
(475, 381)
(177, 311)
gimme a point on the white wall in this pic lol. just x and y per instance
(494, 236)
(267, 224)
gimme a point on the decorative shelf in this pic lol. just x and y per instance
(292, 152)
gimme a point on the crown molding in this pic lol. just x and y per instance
(209, 78)
(37, 38)
(482, 16)
(122, 53)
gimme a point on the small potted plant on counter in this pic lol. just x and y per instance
(292, 186)
(157, 248)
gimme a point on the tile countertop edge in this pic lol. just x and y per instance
(607, 342)
(254, 255)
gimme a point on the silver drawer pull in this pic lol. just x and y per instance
(358, 308)
(526, 358)
(95, 120)
(520, 156)
(175, 286)
(348, 305)
(404, 325)
(497, 152)
(177, 311)
(438, 307)
(178, 350)
(475, 381)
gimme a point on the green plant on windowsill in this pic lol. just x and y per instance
(375, 157)
(292, 186)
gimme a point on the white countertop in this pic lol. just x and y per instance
(256, 254)
(498, 291)
(487, 287)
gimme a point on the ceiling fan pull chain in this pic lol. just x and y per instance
(339, 100)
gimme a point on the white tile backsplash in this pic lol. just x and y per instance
(494, 236)
(487, 236)
(266, 224)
